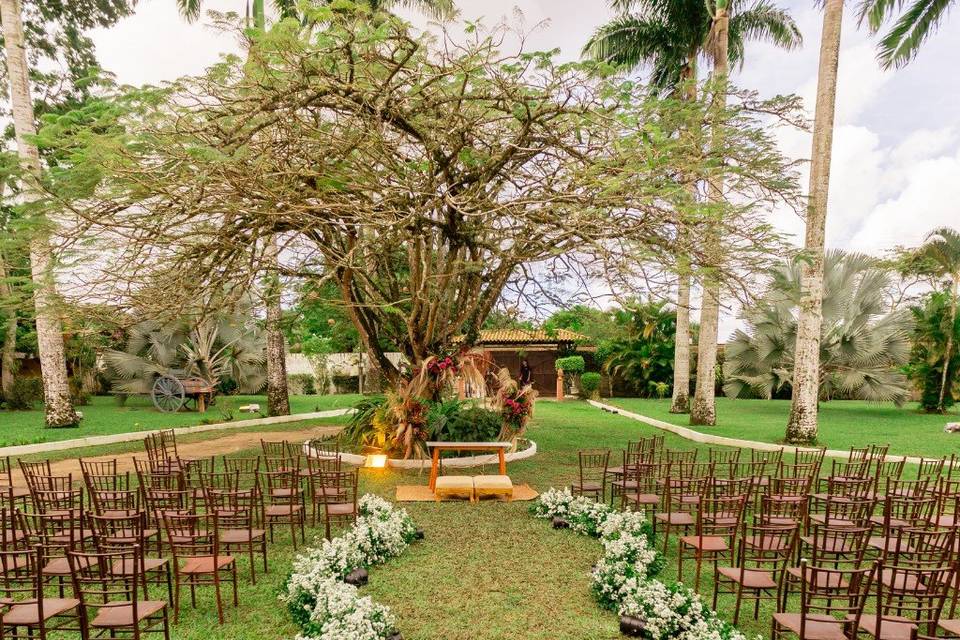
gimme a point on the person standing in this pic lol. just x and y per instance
(526, 373)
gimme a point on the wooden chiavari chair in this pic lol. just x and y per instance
(909, 602)
(118, 533)
(831, 603)
(283, 502)
(718, 521)
(16, 497)
(236, 510)
(593, 465)
(343, 509)
(29, 611)
(681, 496)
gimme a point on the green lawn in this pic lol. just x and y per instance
(843, 423)
(104, 416)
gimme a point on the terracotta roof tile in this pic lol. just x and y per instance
(528, 336)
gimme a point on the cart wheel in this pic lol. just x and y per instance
(168, 394)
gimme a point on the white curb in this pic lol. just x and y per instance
(425, 463)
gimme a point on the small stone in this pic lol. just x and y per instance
(952, 427)
(357, 577)
(396, 636)
(560, 523)
(631, 626)
(419, 534)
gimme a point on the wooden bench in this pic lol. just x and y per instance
(500, 448)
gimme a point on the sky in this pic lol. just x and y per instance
(896, 152)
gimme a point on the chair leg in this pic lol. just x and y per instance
(236, 600)
(216, 588)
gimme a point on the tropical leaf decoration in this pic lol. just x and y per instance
(224, 344)
(863, 345)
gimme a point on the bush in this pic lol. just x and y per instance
(571, 364)
(79, 396)
(473, 424)
(590, 385)
(302, 384)
(25, 393)
(348, 384)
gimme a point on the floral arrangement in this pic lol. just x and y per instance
(623, 578)
(515, 404)
(326, 607)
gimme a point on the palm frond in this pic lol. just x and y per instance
(901, 43)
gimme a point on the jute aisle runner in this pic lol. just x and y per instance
(422, 493)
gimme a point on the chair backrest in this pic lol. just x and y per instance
(98, 467)
(118, 532)
(235, 509)
(853, 487)
(888, 468)
(671, 456)
(836, 593)
(720, 516)
(838, 545)
(33, 471)
(281, 463)
(692, 469)
(277, 449)
(842, 511)
(776, 511)
(806, 470)
(723, 455)
(921, 547)
(20, 576)
(877, 452)
(281, 487)
(6, 472)
(195, 468)
(593, 464)
(858, 454)
(344, 485)
(162, 501)
(810, 456)
(98, 586)
(59, 494)
(930, 468)
(853, 469)
(55, 533)
(192, 535)
(906, 512)
(767, 547)
(323, 463)
(790, 486)
(677, 493)
(773, 458)
(718, 487)
(113, 492)
(899, 598)
(219, 481)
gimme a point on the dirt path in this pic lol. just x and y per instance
(223, 445)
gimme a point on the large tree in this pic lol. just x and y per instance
(670, 37)
(419, 177)
(59, 411)
(802, 424)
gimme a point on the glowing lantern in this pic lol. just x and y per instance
(376, 461)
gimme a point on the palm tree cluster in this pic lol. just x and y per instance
(863, 343)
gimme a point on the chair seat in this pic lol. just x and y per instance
(676, 517)
(204, 564)
(587, 486)
(895, 523)
(818, 627)
(125, 567)
(767, 543)
(276, 510)
(341, 509)
(833, 581)
(283, 493)
(121, 615)
(902, 581)
(751, 578)
(234, 536)
(643, 498)
(891, 627)
(821, 518)
(328, 491)
(78, 535)
(26, 613)
(493, 482)
(61, 566)
(788, 498)
(830, 545)
(705, 543)
(950, 626)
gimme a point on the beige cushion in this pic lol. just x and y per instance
(455, 482)
(493, 482)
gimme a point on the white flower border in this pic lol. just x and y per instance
(321, 603)
(623, 577)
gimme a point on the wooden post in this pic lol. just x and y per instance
(461, 388)
(559, 384)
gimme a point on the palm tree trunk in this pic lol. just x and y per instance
(278, 396)
(802, 425)
(948, 353)
(8, 356)
(704, 410)
(680, 402)
(681, 349)
(59, 412)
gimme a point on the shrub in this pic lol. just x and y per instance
(473, 424)
(302, 384)
(79, 396)
(349, 384)
(25, 393)
(590, 385)
(571, 364)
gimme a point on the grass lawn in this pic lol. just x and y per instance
(104, 416)
(843, 423)
(484, 572)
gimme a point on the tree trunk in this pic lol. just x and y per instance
(944, 377)
(704, 410)
(278, 396)
(681, 349)
(802, 425)
(53, 366)
(8, 357)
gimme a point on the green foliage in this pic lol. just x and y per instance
(319, 323)
(593, 323)
(902, 41)
(302, 384)
(370, 424)
(473, 424)
(571, 364)
(26, 392)
(645, 357)
(590, 385)
(863, 343)
(928, 355)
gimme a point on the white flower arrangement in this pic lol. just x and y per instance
(623, 577)
(326, 607)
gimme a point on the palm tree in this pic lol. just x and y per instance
(644, 358)
(802, 423)
(670, 37)
(58, 409)
(863, 343)
(900, 44)
(942, 249)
